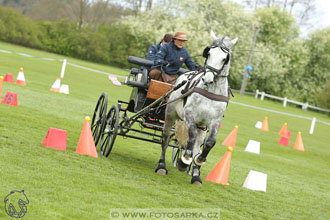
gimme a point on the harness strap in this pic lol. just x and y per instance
(203, 92)
(210, 95)
(192, 83)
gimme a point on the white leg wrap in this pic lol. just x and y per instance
(185, 160)
(197, 162)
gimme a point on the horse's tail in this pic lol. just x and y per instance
(181, 133)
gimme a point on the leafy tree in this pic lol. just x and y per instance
(17, 29)
(323, 97)
(197, 18)
(276, 27)
(317, 70)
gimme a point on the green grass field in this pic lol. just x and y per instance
(66, 185)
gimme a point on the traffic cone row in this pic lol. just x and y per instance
(285, 138)
(19, 80)
(255, 180)
(10, 98)
(57, 139)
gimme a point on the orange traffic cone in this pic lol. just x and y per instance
(265, 124)
(20, 78)
(86, 145)
(55, 138)
(284, 140)
(9, 78)
(1, 80)
(283, 129)
(230, 140)
(299, 145)
(220, 172)
(56, 85)
(10, 99)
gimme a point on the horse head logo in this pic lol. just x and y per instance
(15, 204)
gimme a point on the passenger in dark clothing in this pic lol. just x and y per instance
(171, 56)
(152, 51)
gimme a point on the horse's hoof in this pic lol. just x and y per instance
(161, 171)
(197, 183)
(196, 180)
(161, 168)
(181, 166)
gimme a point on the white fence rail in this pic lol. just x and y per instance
(313, 120)
(285, 100)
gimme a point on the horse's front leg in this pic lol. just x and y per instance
(186, 158)
(195, 179)
(208, 145)
(161, 168)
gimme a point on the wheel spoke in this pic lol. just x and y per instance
(99, 117)
(110, 131)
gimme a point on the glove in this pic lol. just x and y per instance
(198, 67)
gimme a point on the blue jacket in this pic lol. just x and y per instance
(152, 51)
(175, 56)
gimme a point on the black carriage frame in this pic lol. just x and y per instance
(149, 114)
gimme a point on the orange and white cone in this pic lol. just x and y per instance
(56, 85)
(20, 78)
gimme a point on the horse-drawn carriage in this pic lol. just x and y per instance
(147, 103)
(198, 100)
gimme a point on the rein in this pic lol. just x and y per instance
(191, 85)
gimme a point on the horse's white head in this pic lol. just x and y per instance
(217, 57)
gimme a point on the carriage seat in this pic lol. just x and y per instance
(144, 91)
(148, 63)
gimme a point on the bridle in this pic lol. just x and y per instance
(217, 43)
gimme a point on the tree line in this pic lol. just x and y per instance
(284, 64)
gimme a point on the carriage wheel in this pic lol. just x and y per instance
(99, 117)
(109, 134)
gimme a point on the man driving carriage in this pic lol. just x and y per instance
(170, 58)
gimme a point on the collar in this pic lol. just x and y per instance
(174, 46)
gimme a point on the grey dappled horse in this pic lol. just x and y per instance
(202, 109)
